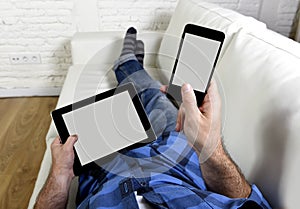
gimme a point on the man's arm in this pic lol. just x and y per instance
(202, 127)
(223, 176)
(55, 192)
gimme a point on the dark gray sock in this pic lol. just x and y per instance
(140, 51)
(129, 43)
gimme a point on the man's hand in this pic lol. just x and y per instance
(164, 89)
(202, 126)
(63, 156)
(54, 194)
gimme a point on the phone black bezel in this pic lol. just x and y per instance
(174, 91)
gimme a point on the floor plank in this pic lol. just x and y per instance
(24, 123)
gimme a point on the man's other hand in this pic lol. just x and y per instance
(164, 89)
(63, 156)
(54, 194)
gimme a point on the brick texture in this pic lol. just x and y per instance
(46, 27)
(286, 19)
(42, 27)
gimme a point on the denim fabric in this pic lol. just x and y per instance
(161, 112)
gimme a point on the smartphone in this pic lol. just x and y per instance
(196, 59)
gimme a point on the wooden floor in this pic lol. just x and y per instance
(24, 123)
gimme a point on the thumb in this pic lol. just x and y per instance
(71, 141)
(188, 98)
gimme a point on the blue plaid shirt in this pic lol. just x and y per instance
(165, 172)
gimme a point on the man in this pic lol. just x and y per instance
(186, 167)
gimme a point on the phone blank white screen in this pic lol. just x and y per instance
(105, 127)
(195, 61)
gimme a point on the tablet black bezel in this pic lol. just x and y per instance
(174, 91)
(57, 116)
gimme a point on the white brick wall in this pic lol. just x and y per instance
(286, 16)
(145, 15)
(43, 27)
(46, 27)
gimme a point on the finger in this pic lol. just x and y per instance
(213, 88)
(205, 104)
(213, 81)
(71, 141)
(179, 120)
(213, 94)
(163, 89)
(189, 100)
(56, 141)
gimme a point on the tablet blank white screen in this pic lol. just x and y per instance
(105, 127)
(196, 61)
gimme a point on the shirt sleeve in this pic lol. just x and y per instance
(256, 198)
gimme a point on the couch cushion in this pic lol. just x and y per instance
(260, 78)
(207, 15)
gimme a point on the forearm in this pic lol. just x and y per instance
(223, 176)
(55, 192)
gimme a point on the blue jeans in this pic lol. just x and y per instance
(162, 115)
(161, 112)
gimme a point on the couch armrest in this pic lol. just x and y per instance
(106, 46)
(43, 174)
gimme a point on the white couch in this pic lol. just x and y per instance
(258, 75)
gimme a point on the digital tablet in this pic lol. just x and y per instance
(105, 123)
(195, 62)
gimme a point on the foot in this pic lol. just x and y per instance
(140, 51)
(129, 43)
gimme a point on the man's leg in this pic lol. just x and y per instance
(161, 112)
(129, 68)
